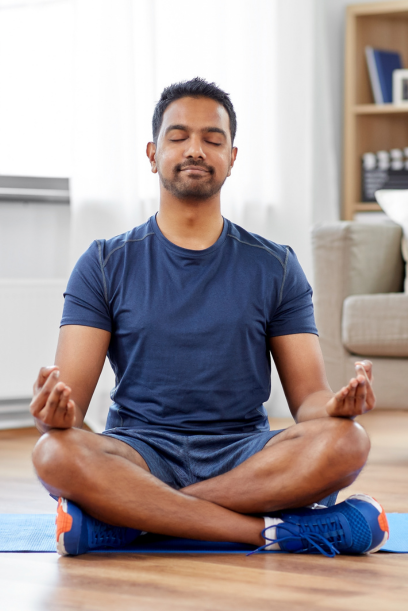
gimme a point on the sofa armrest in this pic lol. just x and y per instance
(350, 258)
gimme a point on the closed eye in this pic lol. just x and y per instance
(183, 139)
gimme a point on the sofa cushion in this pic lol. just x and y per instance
(376, 325)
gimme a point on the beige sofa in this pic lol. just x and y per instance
(360, 309)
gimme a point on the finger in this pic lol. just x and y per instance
(43, 376)
(361, 374)
(360, 395)
(64, 414)
(40, 399)
(360, 370)
(63, 402)
(342, 394)
(351, 396)
(56, 405)
(63, 417)
(370, 398)
(70, 414)
(366, 368)
(47, 414)
(50, 397)
(337, 406)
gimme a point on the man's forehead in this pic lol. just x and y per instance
(196, 112)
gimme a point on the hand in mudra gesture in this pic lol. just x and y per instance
(357, 397)
(51, 404)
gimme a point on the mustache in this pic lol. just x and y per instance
(199, 164)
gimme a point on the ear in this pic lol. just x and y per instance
(151, 153)
(234, 152)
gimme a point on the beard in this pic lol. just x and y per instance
(197, 188)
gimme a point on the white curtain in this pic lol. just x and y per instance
(126, 52)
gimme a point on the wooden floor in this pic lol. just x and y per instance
(37, 582)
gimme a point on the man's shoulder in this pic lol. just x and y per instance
(117, 243)
(246, 238)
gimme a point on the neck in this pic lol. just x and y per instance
(195, 225)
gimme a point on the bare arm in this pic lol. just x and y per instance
(62, 393)
(300, 365)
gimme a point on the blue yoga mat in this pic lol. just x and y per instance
(36, 533)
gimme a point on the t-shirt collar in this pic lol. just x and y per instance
(187, 252)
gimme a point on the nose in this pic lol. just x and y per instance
(194, 148)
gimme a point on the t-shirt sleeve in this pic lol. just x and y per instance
(86, 301)
(294, 313)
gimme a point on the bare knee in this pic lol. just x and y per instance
(56, 453)
(349, 443)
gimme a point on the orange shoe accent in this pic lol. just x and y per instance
(63, 520)
(383, 522)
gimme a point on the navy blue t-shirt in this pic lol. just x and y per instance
(190, 328)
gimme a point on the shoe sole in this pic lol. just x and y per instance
(63, 522)
(382, 519)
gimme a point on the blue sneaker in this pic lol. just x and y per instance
(356, 526)
(78, 532)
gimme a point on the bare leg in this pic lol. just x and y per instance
(110, 481)
(298, 467)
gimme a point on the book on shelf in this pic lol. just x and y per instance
(381, 64)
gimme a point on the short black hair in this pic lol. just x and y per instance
(195, 88)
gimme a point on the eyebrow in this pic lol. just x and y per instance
(215, 130)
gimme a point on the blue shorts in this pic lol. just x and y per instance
(182, 460)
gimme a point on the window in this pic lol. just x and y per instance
(36, 58)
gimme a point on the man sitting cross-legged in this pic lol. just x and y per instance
(189, 307)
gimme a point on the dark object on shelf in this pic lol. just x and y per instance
(372, 180)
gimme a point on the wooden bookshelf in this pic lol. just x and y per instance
(369, 126)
